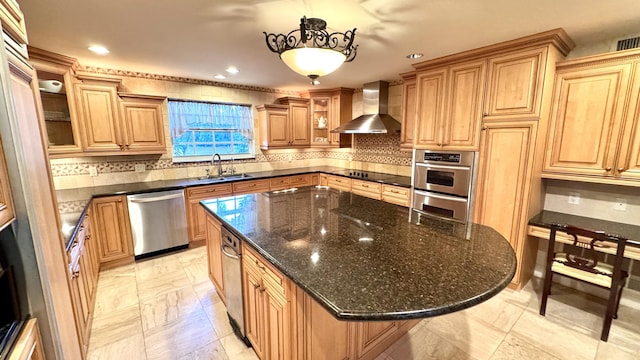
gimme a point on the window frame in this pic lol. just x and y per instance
(201, 158)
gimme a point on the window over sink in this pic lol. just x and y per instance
(200, 129)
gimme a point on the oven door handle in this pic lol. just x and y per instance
(448, 167)
(439, 196)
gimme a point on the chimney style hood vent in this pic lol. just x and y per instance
(375, 98)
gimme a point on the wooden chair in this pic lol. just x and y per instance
(581, 263)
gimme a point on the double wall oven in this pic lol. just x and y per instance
(443, 183)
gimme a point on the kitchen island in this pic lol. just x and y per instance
(361, 261)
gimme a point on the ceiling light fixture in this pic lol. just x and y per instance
(219, 76)
(314, 52)
(232, 70)
(101, 50)
(415, 56)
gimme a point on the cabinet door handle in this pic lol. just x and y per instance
(608, 168)
(620, 170)
(256, 285)
(262, 289)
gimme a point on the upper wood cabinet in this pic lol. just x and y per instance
(515, 84)
(284, 125)
(143, 129)
(7, 212)
(330, 108)
(55, 79)
(12, 21)
(409, 114)
(118, 124)
(449, 106)
(591, 137)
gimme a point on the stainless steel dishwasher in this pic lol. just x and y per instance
(158, 222)
(232, 277)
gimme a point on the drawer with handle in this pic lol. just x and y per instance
(209, 190)
(366, 188)
(245, 187)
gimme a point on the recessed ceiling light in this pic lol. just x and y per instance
(219, 76)
(101, 50)
(315, 82)
(415, 56)
(232, 70)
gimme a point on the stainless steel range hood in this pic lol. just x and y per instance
(375, 98)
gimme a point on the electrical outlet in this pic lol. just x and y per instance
(574, 198)
(93, 170)
(620, 204)
(139, 167)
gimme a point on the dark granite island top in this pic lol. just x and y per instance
(362, 259)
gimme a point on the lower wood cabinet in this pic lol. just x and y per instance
(339, 182)
(28, 346)
(112, 230)
(268, 307)
(196, 214)
(248, 187)
(214, 254)
(396, 194)
(366, 188)
(83, 273)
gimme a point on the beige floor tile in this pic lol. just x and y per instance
(212, 351)
(424, 345)
(206, 292)
(130, 347)
(217, 315)
(498, 312)
(115, 296)
(236, 349)
(197, 271)
(554, 338)
(180, 337)
(115, 326)
(168, 307)
(513, 347)
(194, 254)
(608, 351)
(151, 269)
(151, 287)
(474, 337)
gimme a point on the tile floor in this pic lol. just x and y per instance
(167, 308)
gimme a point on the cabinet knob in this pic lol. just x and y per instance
(256, 285)
(262, 289)
(620, 169)
(608, 168)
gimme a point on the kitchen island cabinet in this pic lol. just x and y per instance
(368, 250)
(113, 231)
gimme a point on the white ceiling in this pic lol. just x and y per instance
(198, 38)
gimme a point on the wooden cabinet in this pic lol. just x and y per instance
(28, 345)
(7, 212)
(83, 272)
(339, 182)
(98, 109)
(515, 84)
(366, 188)
(118, 124)
(284, 125)
(112, 230)
(267, 308)
(370, 336)
(279, 183)
(409, 108)
(449, 106)
(506, 190)
(302, 180)
(196, 214)
(142, 125)
(12, 21)
(214, 255)
(251, 186)
(594, 134)
(396, 194)
(330, 108)
(58, 102)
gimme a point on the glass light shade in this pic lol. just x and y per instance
(313, 61)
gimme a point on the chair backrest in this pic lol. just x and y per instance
(584, 254)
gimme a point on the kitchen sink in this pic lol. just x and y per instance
(226, 177)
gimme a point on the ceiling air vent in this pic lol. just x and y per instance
(627, 44)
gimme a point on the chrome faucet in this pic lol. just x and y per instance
(213, 161)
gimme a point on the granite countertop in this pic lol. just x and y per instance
(547, 218)
(364, 259)
(73, 203)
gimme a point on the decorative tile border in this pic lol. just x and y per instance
(382, 149)
(71, 206)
